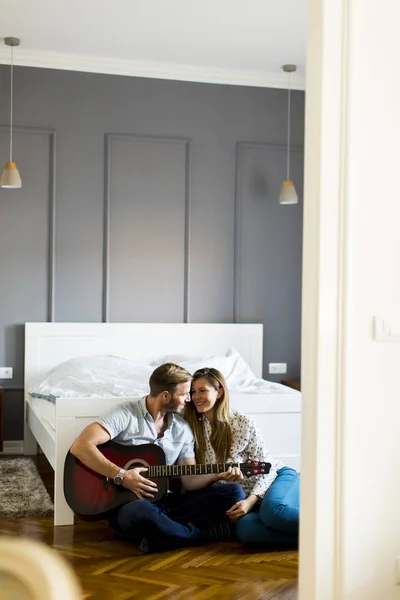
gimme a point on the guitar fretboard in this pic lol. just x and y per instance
(179, 470)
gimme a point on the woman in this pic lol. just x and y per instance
(269, 515)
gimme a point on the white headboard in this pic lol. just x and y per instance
(49, 344)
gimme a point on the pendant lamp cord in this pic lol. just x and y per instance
(288, 135)
(11, 101)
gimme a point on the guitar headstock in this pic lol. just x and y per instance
(256, 467)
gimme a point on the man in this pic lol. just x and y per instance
(193, 517)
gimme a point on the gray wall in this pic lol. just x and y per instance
(147, 200)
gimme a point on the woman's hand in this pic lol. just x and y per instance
(143, 488)
(232, 474)
(238, 510)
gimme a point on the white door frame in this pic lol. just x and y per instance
(323, 292)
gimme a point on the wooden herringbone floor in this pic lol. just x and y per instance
(112, 570)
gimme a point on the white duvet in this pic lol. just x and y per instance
(97, 376)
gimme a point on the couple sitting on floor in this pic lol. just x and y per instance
(261, 510)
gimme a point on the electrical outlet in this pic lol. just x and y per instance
(6, 373)
(277, 368)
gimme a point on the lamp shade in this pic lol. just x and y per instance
(288, 193)
(10, 177)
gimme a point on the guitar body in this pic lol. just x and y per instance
(88, 493)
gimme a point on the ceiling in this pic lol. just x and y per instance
(239, 42)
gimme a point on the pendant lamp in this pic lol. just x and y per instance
(10, 177)
(288, 193)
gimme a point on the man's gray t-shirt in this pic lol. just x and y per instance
(131, 424)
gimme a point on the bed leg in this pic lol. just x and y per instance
(65, 435)
(63, 515)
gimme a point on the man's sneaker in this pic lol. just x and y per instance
(220, 532)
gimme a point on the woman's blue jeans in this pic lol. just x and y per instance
(274, 523)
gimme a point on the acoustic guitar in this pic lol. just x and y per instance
(88, 493)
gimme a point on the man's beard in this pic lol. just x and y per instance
(174, 408)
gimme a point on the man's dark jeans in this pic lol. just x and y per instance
(177, 520)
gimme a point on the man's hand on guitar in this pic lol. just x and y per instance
(232, 474)
(143, 488)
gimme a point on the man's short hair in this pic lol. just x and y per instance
(166, 377)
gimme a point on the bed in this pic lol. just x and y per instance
(54, 426)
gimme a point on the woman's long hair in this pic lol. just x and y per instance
(221, 436)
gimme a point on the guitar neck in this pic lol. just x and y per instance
(179, 470)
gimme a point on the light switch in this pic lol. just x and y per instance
(387, 329)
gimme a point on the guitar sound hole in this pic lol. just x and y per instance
(136, 462)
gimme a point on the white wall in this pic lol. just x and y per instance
(371, 452)
(350, 534)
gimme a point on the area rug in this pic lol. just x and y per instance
(22, 492)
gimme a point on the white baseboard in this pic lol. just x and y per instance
(13, 447)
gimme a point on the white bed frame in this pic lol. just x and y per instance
(48, 344)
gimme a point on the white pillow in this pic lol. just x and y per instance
(232, 366)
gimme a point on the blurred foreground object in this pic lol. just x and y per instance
(31, 570)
